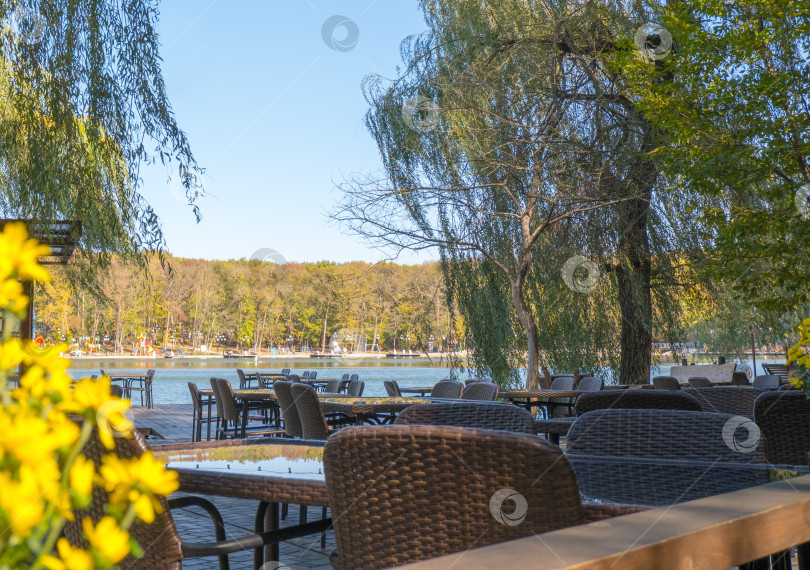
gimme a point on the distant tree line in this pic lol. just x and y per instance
(249, 305)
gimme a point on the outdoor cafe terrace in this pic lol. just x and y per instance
(696, 470)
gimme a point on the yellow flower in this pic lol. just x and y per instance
(23, 253)
(107, 538)
(137, 481)
(22, 504)
(81, 481)
(70, 558)
(12, 297)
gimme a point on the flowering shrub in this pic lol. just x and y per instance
(43, 475)
(800, 354)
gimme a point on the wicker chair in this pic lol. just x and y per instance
(333, 386)
(244, 382)
(480, 391)
(285, 371)
(666, 383)
(313, 375)
(392, 389)
(313, 422)
(292, 378)
(447, 389)
(292, 421)
(161, 543)
(767, 382)
(405, 493)
(124, 383)
(661, 457)
(784, 417)
(700, 382)
(468, 414)
(737, 400)
(305, 375)
(356, 388)
(591, 384)
(740, 379)
(142, 385)
(116, 390)
(560, 407)
(200, 405)
(232, 414)
(636, 399)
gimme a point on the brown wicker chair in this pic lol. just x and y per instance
(356, 388)
(562, 409)
(784, 417)
(447, 389)
(313, 422)
(232, 414)
(333, 386)
(245, 383)
(142, 385)
(116, 390)
(635, 399)
(405, 493)
(737, 400)
(200, 405)
(661, 457)
(392, 389)
(591, 384)
(481, 415)
(767, 382)
(292, 421)
(700, 382)
(666, 383)
(486, 391)
(162, 545)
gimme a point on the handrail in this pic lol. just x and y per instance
(716, 532)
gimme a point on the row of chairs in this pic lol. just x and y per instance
(452, 389)
(762, 382)
(142, 385)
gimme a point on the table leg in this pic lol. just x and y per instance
(245, 408)
(208, 423)
(271, 523)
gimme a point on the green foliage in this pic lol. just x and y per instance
(736, 129)
(83, 106)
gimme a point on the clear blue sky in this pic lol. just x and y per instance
(276, 117)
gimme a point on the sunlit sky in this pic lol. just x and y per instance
(275, 116)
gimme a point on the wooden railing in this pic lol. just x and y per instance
(716, 532)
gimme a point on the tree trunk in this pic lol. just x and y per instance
(526, 319)
(633, 273)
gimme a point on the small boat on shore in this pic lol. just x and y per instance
(231, 354)
(403, 354)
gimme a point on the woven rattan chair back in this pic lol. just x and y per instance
(353, 377)
(217, 397)
(479, 469)
(292, 378)
(447, 389)
(700, 382)
(480, 391)
(563, 383)
(665, 434)
(740, 379)
(313, 422)
(356, 388)
(117, 390)
(159, 540)
(305, 375)
(345, 377)
(243, 383)
(783, 418)
(313, 375)
(392, 389)
(591, 384)
(292, 421)
(333, 386)
(635, 399)
(285, 371)
(666, 383)
(470, 415)
(767, 382)
(735, 400)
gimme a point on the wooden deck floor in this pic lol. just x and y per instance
(172, 422)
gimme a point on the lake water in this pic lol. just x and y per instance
(172, 375)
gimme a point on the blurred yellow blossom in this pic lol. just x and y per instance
(107, 538)
(70, 558)
(139, 481)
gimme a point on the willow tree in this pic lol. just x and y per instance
(83, 106)
(507, 127)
